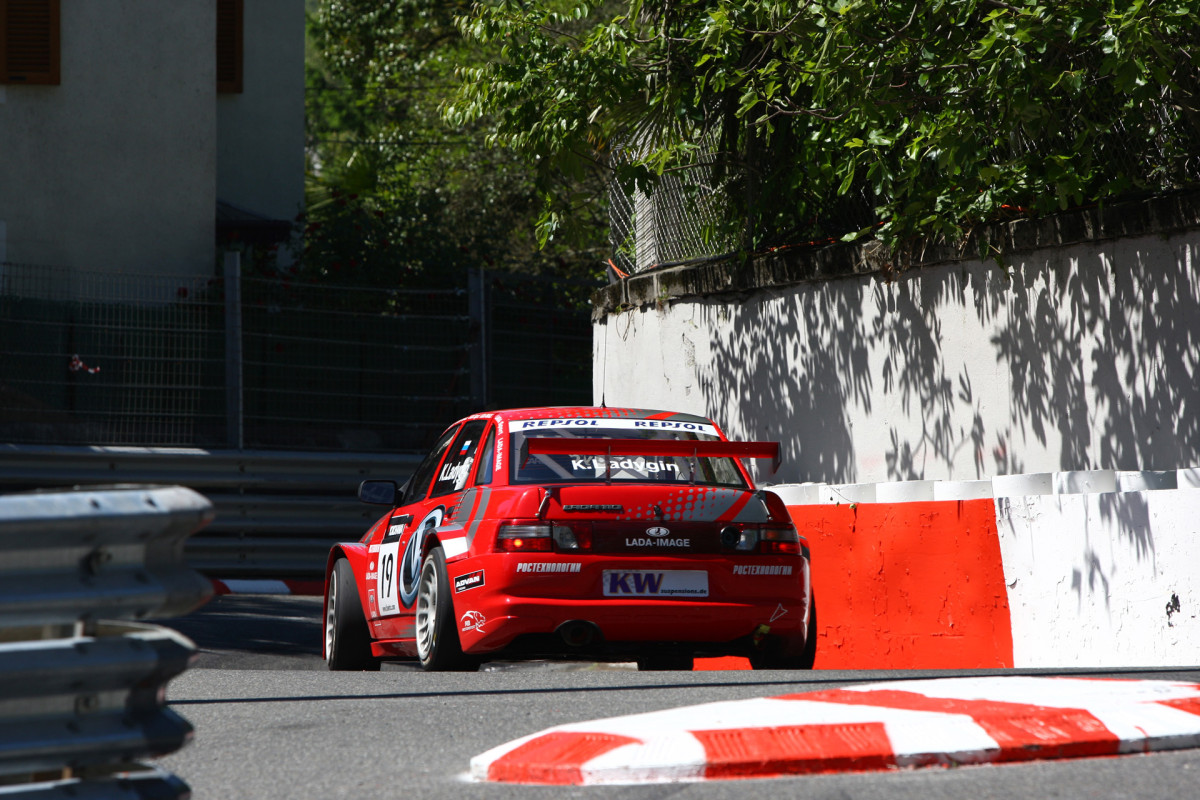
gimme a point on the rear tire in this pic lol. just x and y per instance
(347, 639)
(438, 645)
(782, 657)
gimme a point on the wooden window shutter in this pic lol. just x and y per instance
(29, 42)
(229, 46)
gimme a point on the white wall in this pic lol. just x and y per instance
(1102, 578)
(260, 153)
(113, 170)
(1080, 357)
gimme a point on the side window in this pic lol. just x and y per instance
(486, 459)
(424, 474)
(457, 467)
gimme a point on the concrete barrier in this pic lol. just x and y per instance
(1070, 569)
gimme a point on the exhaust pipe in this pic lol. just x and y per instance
(578, 632)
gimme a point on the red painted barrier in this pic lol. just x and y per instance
(908, 585)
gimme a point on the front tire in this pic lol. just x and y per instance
(347, 640)
(438, 645)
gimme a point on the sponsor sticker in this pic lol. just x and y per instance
(638, 464)
(593, 507)
(636, 541)
(761, 569)
(650, 583)
(469, 581)
(457, 472)
(549, 566)
(473, 621)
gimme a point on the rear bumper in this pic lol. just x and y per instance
(521, 601)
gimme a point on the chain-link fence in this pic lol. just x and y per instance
(151, 360)
(688, 214)
(107, 359)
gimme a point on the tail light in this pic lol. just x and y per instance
(779, 539)
(542, 537)
(761, 539)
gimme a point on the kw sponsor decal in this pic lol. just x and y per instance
(473, 621)
(468, 581)
(667, 583)
(761, 569)
(548, 566)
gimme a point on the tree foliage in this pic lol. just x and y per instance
(396, 195)
(913, 121)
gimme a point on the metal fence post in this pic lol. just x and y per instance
(234, 409)
(477, 308)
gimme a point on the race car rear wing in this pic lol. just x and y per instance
(568, 446)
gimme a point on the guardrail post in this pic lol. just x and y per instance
(234, 410)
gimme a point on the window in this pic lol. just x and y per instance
(229, 46)
(486, 458)
(647, 468)
(419, 483)
(29, 42)
(457, 467)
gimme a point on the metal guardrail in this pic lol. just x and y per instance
(276, 512)
(81, 695)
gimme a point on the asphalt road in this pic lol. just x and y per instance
(271, 722)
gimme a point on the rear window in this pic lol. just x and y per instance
(649, 468)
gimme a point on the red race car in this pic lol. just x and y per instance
(579, 533)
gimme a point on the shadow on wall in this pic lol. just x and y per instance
(787, 385)
(1079, 358)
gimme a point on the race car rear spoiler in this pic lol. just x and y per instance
(567, 446)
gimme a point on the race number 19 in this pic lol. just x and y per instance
(385, 580)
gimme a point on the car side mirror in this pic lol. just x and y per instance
(378, 492)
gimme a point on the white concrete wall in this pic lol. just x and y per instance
(114, 169)
(260, 155)
(1108, 579)
(1080, 357)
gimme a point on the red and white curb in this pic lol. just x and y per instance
(880, 726)
(267, 586)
